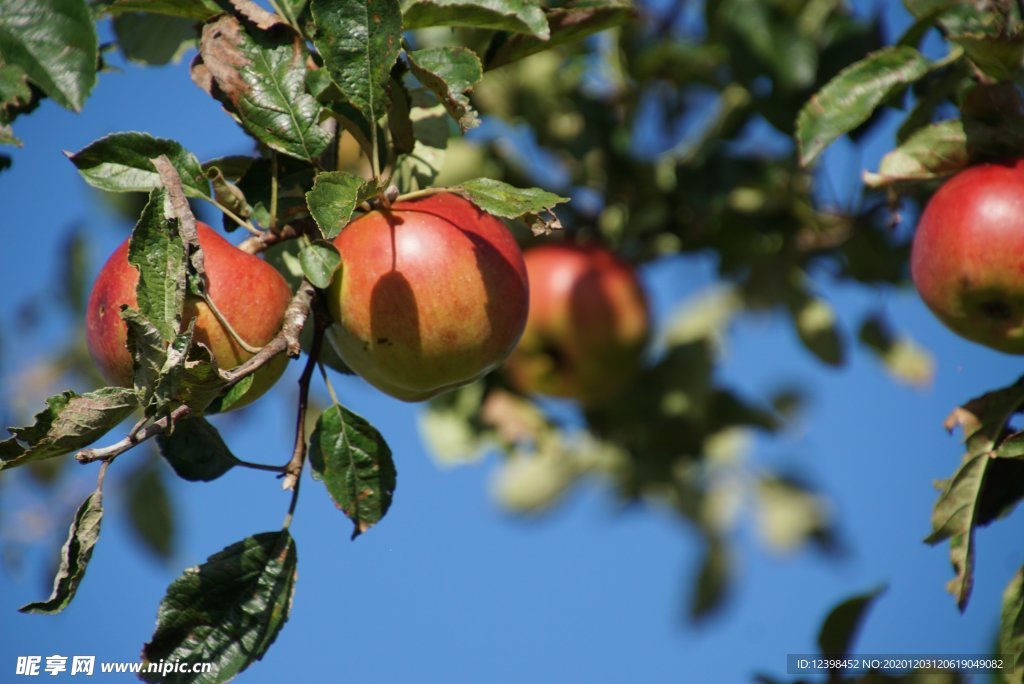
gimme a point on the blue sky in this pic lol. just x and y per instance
(450, 589)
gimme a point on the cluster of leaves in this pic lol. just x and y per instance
(301, 83)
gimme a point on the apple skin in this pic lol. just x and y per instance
(588, 327)
(250, 294)
(967, 259)
(431, 295)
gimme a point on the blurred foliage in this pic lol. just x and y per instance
(672, 134)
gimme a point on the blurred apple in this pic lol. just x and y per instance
(588, 324)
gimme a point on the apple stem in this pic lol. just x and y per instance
(227, 326)
(327, 383)
(235, 217)
(258, 466)
(425, 192)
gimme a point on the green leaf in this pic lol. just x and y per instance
(931, 152)
(359, 41)
(227, 611)
(260, 76)
(450, 72)
(74, 556)
(954, 518)
(569, 24)
(231, 167)
(984, 419)
(16, 97)
(354, 462)
(334, 197)
(153, 39)
(348, 117)
(149, 352)
(319, 261)
(1011, 627)
(158, 252)
(502, 199)
(70, 422)
(1004, 482)
(713, 581)
(196, 451)
(517, 16)
(849, 99)
(197, 10)
(185, 373)
(232, 396)
(150, 512)
(840, 628)
(120, 162)
(55, 43)
(294, 179)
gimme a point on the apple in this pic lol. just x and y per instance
(588, 326)
(967, 259)
(431, 294)
(250, 294)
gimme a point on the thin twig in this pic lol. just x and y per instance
(157, 427)
(266, 239)
(293, 470)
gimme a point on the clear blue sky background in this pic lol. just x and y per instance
(448, 588)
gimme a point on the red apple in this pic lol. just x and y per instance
(967, 259)
(431, 294)
(588, 325)
(250, 294)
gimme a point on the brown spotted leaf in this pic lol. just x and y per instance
(260, 76)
